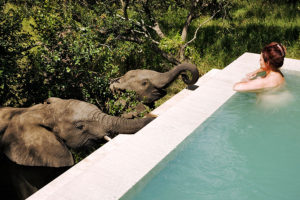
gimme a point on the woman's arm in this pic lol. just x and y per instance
(251, 85)
(274, 79)
(251, 75)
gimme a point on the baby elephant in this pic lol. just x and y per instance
(41, 135)
(150, 85)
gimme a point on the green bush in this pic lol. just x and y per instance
(71, 49)
(14, 44)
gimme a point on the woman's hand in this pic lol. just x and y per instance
(251, 75)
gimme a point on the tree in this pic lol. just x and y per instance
(145, 22)
(80, 45)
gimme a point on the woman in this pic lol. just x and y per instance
(268, 75)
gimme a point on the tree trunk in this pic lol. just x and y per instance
(186, 26)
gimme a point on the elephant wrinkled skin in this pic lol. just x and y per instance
(41, 135)
(150, 85)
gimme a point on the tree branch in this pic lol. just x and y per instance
(152, 19)
(186, 26)
(130, 39)
(125, 4)
(157, 29)
(182, 50)
(143, 27)
(188, 21)
(167, 56)
(154, 46)
(196, 32)
(144, 31)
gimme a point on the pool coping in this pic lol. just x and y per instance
(109, 172)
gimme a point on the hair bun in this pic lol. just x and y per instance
(282, 49)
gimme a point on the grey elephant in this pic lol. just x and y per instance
(41, 136)
(150, 85)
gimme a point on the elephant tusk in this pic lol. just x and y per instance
(151, 115)
(107, 138)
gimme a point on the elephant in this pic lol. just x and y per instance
(150, 85)
(42, 135)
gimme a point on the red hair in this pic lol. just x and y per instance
(274, 54)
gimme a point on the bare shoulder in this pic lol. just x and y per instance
(275, 79)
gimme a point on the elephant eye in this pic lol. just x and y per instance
(79, 126)
(145, 82)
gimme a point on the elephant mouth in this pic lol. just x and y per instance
(115, 80)
(92, 143)
(158, 93)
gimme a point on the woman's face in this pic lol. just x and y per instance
(263, 65)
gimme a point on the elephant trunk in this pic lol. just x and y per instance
(120, 125)
(167, 78)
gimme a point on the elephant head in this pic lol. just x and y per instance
(150, 85)
(42, 135)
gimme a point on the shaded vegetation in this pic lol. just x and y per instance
(252, 25)
(71, 49)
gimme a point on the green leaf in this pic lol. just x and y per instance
(68, 69)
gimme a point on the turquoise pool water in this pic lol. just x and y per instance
(248, 149)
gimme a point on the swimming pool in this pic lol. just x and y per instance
(112, 170)
(248, 149)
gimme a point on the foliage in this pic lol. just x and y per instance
(123, 102)
(13, 46)
(252, 25)
(171, 45)
(71, 49)
(70, 59)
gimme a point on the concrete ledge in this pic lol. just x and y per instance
(113, 169)
(183, 93)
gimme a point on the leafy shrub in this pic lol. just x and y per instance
(71, 49)
(13, 45)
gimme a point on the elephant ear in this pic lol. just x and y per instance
(31, 144)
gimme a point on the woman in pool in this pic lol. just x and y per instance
(268, 75)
